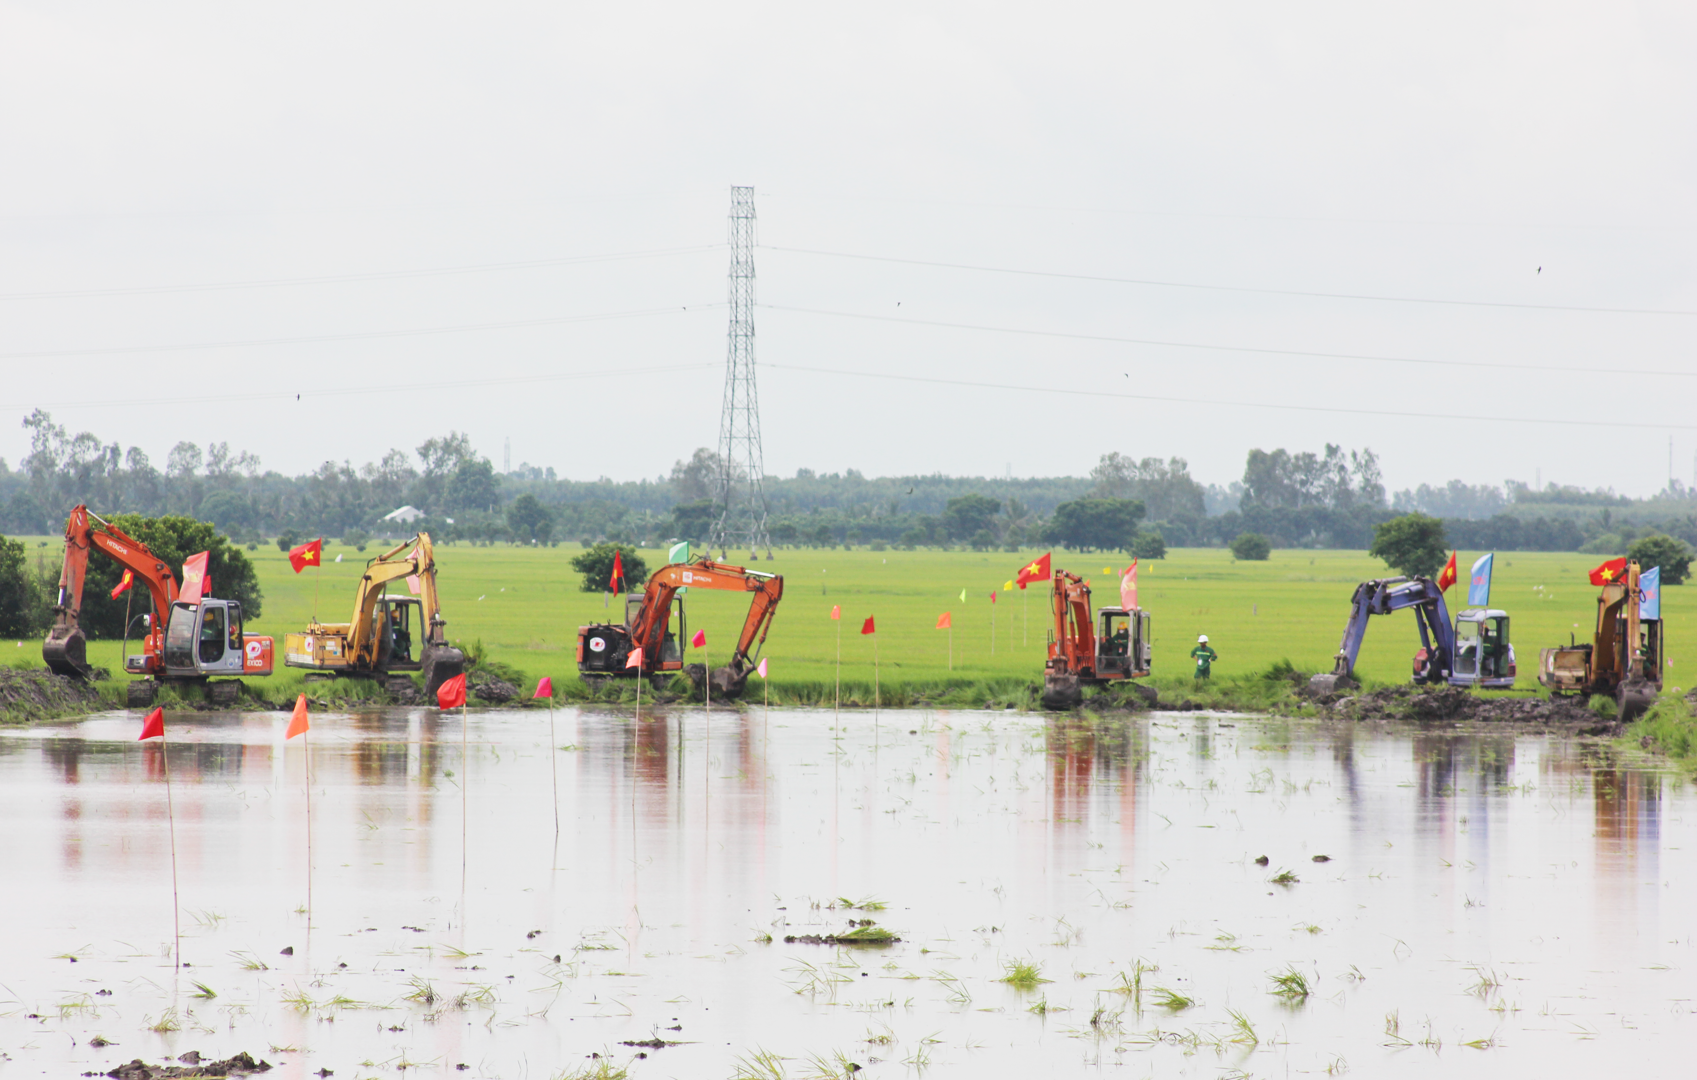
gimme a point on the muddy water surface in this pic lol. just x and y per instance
(1460, 902)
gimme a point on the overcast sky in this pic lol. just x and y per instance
(1243, 152)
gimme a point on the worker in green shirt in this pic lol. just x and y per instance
(1205, 657)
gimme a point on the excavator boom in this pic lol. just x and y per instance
(66, 647)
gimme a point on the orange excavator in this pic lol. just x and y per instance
(1085, 652)
(185, 643)
(603, 650)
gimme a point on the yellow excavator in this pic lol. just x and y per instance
(383, 638)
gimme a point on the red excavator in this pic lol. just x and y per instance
(1083, 652)
(185, 643)
(603, 649)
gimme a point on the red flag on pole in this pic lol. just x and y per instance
(616, 583)
(1036, 570)
(1446, 576)
(124, 583)
(1128, 587)
(868, 628)
(943, 622)
(762, 667)
(992, 596)
(154, 726)
(308, 554)
(194, 578)
(1609, 571)
(451, 694)
(699, 641)
(544, 688)
(634, 660)
(298, 724)
(836, 611)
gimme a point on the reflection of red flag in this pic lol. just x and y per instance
(124, 583)
(1036, 570)
(308, 554)
(194, 578)
(544, 688)
(154, 726)
(1446, 577)
(298, 724)
(451, 694)
(699, 640)
(943, 622)
(868, 628)
(1609, 571)
(616, 583)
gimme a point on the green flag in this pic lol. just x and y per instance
(963, 596)
(679, 553)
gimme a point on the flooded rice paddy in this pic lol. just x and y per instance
(1071, 896)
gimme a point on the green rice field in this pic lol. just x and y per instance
(524, 606)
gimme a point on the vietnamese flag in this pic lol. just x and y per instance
(451, 694)
(1037, 570)
(944, 623)
(124, 583)
(298, 724)
(1612, 570)
(617, 582)
(1446, 577)
(868, 628)
(154, 726)
(308, 554)
(194, 578)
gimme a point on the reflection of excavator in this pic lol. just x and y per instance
(1475, 652)
(380, 638)
(185, 643)
(603, 649)
(1082, 653)
(1623, 659)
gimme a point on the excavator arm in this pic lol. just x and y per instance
(66, 648)
(1381, 597)
(648, 629)
(439, 661)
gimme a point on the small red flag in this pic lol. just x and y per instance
(992, 596)
(634, 660)
(154, 726)
(194, 578)
(308, 554)
(298, 724)
(1609, 571)
(451, 694)
(544, 688)
(124, 583)
(943, 622)
(868, 628)
(699, 640)
(1446, 577)
(616, 583)
(836, 611)
(1036, 570)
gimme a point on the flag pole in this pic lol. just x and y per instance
(554, 753)
(951, 644)
(171, 818)
(306, 748)
(837, 704)
(875, 678)
(317, 581)
(465, 778)
(1024, 635)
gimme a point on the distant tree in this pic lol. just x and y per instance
(596, 566)
(967, 515)
(172, 539)
(1096, 524)
(1165, 487)
(823, 536)
(693, 520)
(227, 510)
(697, 478)
(530, 520)
(1412, 544)
(23, 609)
(982, 540)
(1150, 544)
(1667, 552)
(785, 532)
(474, 486)
(287, 539)
(1251, 547)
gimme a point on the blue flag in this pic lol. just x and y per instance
(1479, 582)
(1650, 585)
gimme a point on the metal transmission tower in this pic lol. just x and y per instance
(741, 494)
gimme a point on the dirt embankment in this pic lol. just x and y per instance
(27, 695)
(1455, 705)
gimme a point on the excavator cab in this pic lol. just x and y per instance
(397, 617)
(206, 639)
(1122, 643)
(1483, 655)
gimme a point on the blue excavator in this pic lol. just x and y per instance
(1473, 652)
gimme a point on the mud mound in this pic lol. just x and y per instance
(485, 686)
(1455, 705)
(27, 695)
(240, 1065)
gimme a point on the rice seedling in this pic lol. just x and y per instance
(1285, 878)
(761, 937)
(868, 903)
(601, 1067)
(1291, 985)
(1171, 1000)
(77, 1003)
(476, 994)
(1393, 1029)
(168, 1021)
(1484, 1043)
(422, 991)
(835, 1067)
(1337, 1067)
(299, 1001)
(1105, 1021)
(249, 962)
(1225, 942)
(1022, 975)
(202, 991)
(1243, 1032)
(759, 1065)
(456, 953)
(207, 920)
(1041, 1007)
(1487, 983)
(812, 979)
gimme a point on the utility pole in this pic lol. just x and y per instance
(507, 456)
(741, 492)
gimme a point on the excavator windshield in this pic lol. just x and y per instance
(180, 637)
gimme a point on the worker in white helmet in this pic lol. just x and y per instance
(1205, 657)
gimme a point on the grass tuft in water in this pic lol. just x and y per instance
(760, 1065)
(1285, 878)
(168, 1021)
(1022, 975)
(1292, 985)
(423, 991)
(836, 1066)
(250, 962)
(1243, 1032)
(202, 991)
(601, 1067)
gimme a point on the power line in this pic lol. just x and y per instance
(380, 388)
(1233, 288)
(1216, 403)
(376, 275)
(362, 336)
(1542, 369)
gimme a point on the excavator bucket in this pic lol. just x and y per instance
(439, 664)
(1329, 683)
(66, 652)
(1061, 692)
(729, 683)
